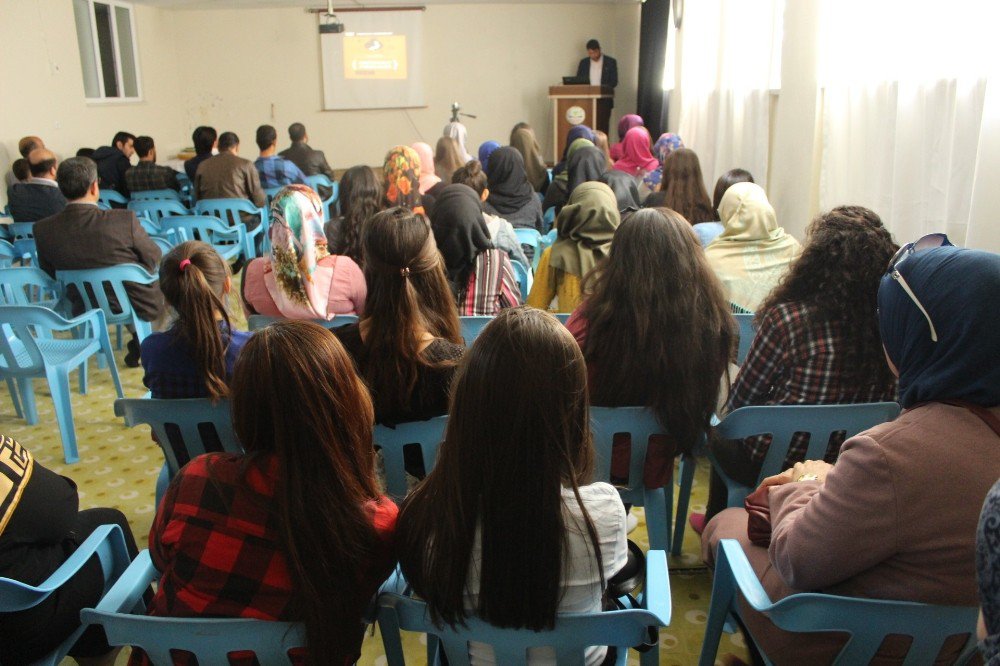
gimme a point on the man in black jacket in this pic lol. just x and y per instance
(597, 68)
(310, 160)
(40, 196)
(113, 162)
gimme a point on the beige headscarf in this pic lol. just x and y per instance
(524, 141)
(753, 253)
(586, 226)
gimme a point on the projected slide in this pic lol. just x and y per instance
(375, 62)
(374, 55)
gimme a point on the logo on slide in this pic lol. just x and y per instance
(367, 57)
(575, 115)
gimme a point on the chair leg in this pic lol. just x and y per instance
(723, 594)
(657, 503)
(59, 386)
(118, 336)
(108, 354)
(27, 392)
(687, 466)
(83, 378)
(15, 397)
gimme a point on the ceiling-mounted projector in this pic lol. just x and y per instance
(331, 24)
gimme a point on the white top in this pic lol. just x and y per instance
(581, 581)
(596, 67)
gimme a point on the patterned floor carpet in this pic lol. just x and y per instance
(118, 467)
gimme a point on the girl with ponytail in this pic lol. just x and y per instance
(194, 358)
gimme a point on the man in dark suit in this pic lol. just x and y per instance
(229, 176)
(84, 236)
(311, 161)
(40, 196)
(597, 68)
(113, 161)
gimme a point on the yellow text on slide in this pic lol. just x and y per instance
(374, 56)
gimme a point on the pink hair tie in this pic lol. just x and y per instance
(184, 264)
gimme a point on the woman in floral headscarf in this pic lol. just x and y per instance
(301, 279)
(401, 178)
(666, 144)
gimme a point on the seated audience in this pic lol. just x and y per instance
(817, 339)
(39, 197)
(988, 569)
(447, 158)
(298, 520)
(24, 147)
(147, 174)
(753, 253)
(310, 161)
(114, 161)
(457, 131)
(896, 517)
(85, 152)
(360, 197)
(274, 171)
(501, 232)
(41, 525)
(511, 195)
(584, 165)
(194, 358)
(301, 279)
(428, 176)
(709, 231)
(522, 139)
(682, 188)
(601, 143)
(525, 480)
(626, 191)
(205, 140)
(229, 176)
(408, 341)
(664, 146)
(401, 179)
(480, 276)
(21, 170)
(636, 160)
(84, 236)
(485, 150)
(676, 372)
(557, 194)
(585, 226)
(625, 123)
(575, 132)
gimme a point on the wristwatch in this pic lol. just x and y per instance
(807, 477)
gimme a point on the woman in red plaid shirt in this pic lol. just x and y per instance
(296, 528)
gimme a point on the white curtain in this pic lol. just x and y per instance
(902, 88)
(730, 60)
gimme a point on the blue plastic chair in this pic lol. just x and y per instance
(867, 621)
(428, 435)
(229, 242)
(7, 254)
(549, 218)
(640, 424)
(783, 421)
(27, 285)
(563, 317)
(107, 543)
(257, 322)
(186, 420)
(572, 635)
(23, 240)
(91, 284)
(523, 275)
(532, 239)
(330, 204)
(228, 210)
(166, 195)
(472, 326)
(28, 350)
(112, 199)
(744, 320)
(165, 243)
(157, 209)
(209, 639)
(270, 193)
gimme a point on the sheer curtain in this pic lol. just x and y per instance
(730, 61)
(903, 86)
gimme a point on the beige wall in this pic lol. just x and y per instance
(41, 86)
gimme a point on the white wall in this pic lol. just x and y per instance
(41, 85)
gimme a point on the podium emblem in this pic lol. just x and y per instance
(575, 115)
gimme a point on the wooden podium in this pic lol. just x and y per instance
(576, 105)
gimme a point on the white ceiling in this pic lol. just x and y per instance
(306, 4)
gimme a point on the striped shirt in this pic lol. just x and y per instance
(492, 286)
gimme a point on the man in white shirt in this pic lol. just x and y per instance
(597, 68)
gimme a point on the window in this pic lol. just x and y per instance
(105, 32)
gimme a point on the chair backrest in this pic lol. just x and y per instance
(529, 237)
(472, 326)
(27, 285)
(20, 327)
(184, 428)
(228, 210)
(563, 317)
(93, 285)
(427, 435)
(163, 242)
(7, 254)
(319, 180)
(227, 241)
(108, 197)
(523, 276)
(157, 209)
(549, 218)
(782, 422)
(744, 321)
(22, 230)
(169, 195)
(256, 322)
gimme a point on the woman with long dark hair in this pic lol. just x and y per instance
(359, 199)
(408, 341)
(817, 339)
(682, 188)
(447, 158)
(506, 527)
(296, 527)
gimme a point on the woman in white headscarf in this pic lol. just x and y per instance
(753, 252)
(457, 131)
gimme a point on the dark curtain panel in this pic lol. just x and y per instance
(651, 102)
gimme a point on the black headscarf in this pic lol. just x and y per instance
(459, 230)
(510, 190)
(586, 164)
(625, 188)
